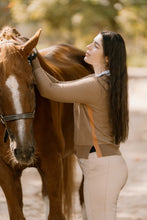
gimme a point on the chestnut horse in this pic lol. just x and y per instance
(36, 132)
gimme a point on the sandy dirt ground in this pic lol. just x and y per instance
(132, 203)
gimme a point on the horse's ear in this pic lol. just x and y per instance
(30, 44)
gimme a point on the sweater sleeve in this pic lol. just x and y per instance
(84, 90)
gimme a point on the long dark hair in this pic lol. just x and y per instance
(115, 50)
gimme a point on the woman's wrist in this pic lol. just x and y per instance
(35, 64)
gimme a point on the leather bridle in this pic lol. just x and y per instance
(15, 117)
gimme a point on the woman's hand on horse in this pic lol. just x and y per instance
(35, 64)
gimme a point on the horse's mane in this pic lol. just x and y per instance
(48, 66)
(57, 58)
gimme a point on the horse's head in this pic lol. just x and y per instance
(17, 96)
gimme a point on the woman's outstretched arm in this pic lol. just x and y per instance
(82, 90)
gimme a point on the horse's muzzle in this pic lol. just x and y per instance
(24, 155)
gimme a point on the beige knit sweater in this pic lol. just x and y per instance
(91, 103)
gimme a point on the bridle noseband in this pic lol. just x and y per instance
(15, 117)
(29, 115)
(7, 118)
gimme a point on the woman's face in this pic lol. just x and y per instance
(94, 54)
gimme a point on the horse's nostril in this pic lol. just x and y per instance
(24, 154)
(16, 152)
(31, 149)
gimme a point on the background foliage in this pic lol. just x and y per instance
(78, 21)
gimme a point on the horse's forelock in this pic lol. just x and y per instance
(8, 33)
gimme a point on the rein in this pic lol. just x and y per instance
(29, 115)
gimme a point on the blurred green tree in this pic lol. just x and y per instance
(5, 14)
(77, 21)
(68, 19)
(132, 20)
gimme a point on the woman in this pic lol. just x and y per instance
(101, 121)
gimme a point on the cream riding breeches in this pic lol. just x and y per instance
(104, 178)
